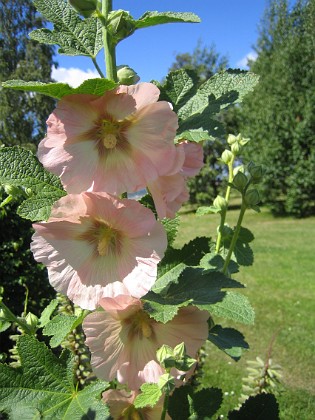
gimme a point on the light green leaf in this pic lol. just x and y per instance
(194, 286)
(158, 18)
(236, 307)
(201, 211)
(20, 168)
(227, 87)
(150, 395)
(229, 340)
(196, 136)
(58, 90)
(42, 384)
(47, 312)
(171, 227)
(60, 326)
(74, 35)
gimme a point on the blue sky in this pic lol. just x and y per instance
(232, 25)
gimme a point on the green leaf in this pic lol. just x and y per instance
(171, 227)
(158, 18)
(58, 90)
(242, 251)
(20, 168)
(194, 286)
(215, 262)
(180, 85)
(184, 403)
(236, 307)
(60, 326)
(150, 395)
(47, 312)
(203, 210)
(196, 136)
(42, 384)
(260, 407)
(229, 340)
(74, 35)
(223, 89)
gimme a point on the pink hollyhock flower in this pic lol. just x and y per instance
(116, 143)
(94, 239)
(193, 158)
(123, 339)
(169, 193)
(121, 406)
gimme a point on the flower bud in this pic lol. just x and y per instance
(11, 189)
(235, 148)
(256, 172)
(32, 321)
(85, 7)
(120, 25)
(240, 181)
(220, 202)
(126, 75)
(165, 356)
(252, 198)
(231, 139)
(227, 156)
(166, 382)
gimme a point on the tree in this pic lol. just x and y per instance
(279, 116)
(22, 116)
(205, 61)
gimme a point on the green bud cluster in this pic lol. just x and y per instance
(177, 357)
(262, 378)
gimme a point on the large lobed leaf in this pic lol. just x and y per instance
(58, 90)
(74, 35)
(201, 288)
(20, 168)
(44, 387)
(158, 18)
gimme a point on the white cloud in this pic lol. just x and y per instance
(73, 76)
(243, 63)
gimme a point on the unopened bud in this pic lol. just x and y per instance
(127, 76)
(120, 25)
(235, 148)
(256, 172)
(252, 198)
(227, 156)
(85, 7)
(32, 321)
(165, 356)
(231, 139)
(240, 181)
(166, 382)
(220, 202)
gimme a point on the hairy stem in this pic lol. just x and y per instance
(98, 68)
(235, 236)
(110, 53)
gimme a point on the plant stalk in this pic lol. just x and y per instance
(235, 236)
(165, 405)
(109, 48)
(12, 318)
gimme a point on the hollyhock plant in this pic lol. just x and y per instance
(123, 139)
(94, 239)
(121, 406)
(123, 339)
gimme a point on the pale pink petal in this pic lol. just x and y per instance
(193, 158)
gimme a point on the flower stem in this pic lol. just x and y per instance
(110, 53)
(165, 405)
(9, 316)
(223, 213)
(235, 236)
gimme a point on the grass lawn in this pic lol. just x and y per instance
(281, 288)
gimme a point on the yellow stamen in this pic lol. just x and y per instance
(109, 141)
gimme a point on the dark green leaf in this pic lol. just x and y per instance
(236, 307)
(260, 407)
(229, 340)
(171, 228)
(42, 383)
(20, 168)
(215, 262)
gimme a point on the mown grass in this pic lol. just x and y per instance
(281, 288)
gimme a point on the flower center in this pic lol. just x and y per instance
(109, 133)
(105, 239)
(141, 325)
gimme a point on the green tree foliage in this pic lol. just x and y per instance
(205, 61)
(22, 116)
(279, 116)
